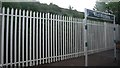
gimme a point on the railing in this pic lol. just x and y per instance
(32, 38)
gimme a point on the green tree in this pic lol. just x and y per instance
(42, 7)
(110, 7)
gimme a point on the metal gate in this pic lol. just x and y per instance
(30, 38)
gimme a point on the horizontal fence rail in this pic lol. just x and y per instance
(31, 38)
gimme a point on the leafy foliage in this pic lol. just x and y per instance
(41, 7)
(110, 7)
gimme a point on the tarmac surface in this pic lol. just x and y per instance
(104, 58)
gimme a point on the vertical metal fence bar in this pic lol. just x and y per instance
(72, 24)
(2, 39)
(43, 37)
(75, 37)
(71, 36)
(68, 37)
(97, 26)
(79, 38)
(48, 38)
(103, 38)
(27, 38)
(65, 37)
(60, 37)
(101, 35)
(63, 31)
(15, 37)
(96, 41)
(80, 41)
(109, 28)
(92, 35)
(46, 42)
(56, 38)
(23, 30)
(98, 34)
(60, 26)
(33, 38)
(105, 35)
(30, 47)
(37, 39)
(59, 56)
(7, 35)
(51, 21)
(40, 38)
(11, 38)
(92, 30)
(19, 36)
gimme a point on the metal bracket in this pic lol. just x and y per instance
(86, 27)
(114, 28)
(86, 44)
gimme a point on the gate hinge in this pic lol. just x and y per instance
(86, 27)
(114, 28)
(86, 44)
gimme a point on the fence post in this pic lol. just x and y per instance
(1, 34)
(85, 39)
(105, 35)
(114, 39)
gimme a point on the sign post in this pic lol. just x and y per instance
(96, 15)
(114, 40)
(85, 39)
(1, 34)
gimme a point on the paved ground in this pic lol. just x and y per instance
(105, 58)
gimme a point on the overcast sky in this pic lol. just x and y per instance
(76, 4)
